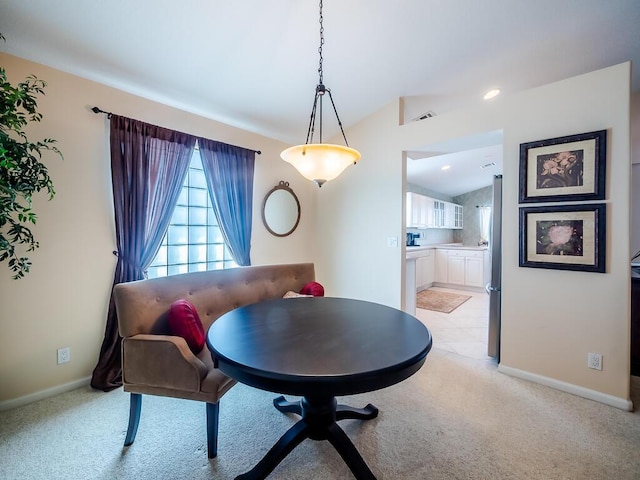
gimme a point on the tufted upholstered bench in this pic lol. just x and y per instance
(157, 363)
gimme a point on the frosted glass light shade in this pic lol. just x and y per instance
(320, 162)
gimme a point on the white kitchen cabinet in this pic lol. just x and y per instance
(419, 274)
(456, 265)
(460, 267)
(438, 213)
(442, 266)
(427, 212)
(452, 215)
(425, 269)
(449, 215)
(430, 269)
(474, 271)
(457, 223)
(417, 213)
(412, 210)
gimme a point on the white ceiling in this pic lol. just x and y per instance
(469, 164)
(253, 63)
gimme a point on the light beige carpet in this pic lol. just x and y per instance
(455, 419)
(440, 301)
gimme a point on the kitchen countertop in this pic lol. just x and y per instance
(413, 252)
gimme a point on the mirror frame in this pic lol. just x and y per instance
(282, 185)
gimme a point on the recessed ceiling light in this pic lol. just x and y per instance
(491, 93)
(446, 167)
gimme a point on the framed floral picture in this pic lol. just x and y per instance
(571, 168)
(563, 237)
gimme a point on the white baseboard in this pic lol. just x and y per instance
(618, 402)
(42, 394)
(454, 286)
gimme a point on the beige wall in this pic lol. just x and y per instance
(551, 318)
(63, 301)
(357, 214)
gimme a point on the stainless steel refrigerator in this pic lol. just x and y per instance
(494, 286)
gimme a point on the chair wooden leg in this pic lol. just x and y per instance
(134, 418)
(213, 412)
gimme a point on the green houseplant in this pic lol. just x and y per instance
(22, 174)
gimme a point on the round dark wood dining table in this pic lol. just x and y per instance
(318, 348)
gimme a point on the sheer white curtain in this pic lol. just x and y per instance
(229, 173)
(485, 221)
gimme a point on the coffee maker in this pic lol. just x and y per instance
(411, 239)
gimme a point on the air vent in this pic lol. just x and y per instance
(487, 165)
(428, 114)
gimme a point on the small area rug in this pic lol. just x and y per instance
(440, 301)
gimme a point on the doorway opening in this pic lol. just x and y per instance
(472, 165)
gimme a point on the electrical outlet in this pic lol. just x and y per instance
(594, 360)
(64, 355)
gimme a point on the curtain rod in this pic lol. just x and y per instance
(108, 114)
(99, 110)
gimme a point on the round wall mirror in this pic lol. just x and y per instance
(281, 210)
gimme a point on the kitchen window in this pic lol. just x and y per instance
(485, 223)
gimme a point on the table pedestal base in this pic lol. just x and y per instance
(318, 422)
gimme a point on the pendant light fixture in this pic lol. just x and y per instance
(320, 162)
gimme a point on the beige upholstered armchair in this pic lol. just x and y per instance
(156, 362)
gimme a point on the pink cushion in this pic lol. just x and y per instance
(185, 322)
(313, 288)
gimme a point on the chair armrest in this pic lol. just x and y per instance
(161, 361)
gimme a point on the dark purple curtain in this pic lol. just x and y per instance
(229, 173)
(148, 168)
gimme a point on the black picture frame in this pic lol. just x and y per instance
(563, 237)
(570, 168)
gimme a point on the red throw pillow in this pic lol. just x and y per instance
(313, 288)
(185, 322)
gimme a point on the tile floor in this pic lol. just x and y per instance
(463, 331)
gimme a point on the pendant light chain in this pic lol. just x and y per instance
(321, 44)
(321, 162)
